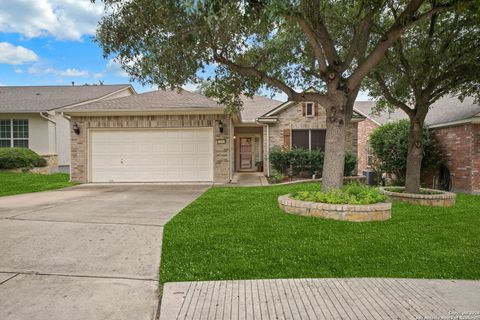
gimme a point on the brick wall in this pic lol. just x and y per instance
(459, 147)
(476, 159)
(365, 128)
(293, 118)
(79, 149)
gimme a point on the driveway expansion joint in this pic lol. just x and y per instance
(8, 279)
(86, 222)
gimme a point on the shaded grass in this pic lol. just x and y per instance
(240, 233)
(16, 183)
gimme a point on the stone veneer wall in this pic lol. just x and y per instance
(346, 212)
(365, 128)
(79, 162)
(292, 118)
(460, 150)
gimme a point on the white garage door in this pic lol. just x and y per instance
(152, 155)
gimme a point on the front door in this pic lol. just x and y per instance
(246, 153)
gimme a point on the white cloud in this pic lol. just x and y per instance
(69, 72)
(62, 19)
(97, 75)
(16, 55)
(115, 68)
(72, 73)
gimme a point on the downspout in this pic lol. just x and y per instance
(70, 166)
(268, 151)
(55, 131)
(232, 133)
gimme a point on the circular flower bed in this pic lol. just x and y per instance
(426, 197)
(353, 202)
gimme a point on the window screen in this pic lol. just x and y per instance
(318, 139)
(308, 139)
(309, 109)
(300, 139)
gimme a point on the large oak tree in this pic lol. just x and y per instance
(280, 45)
(437, 57)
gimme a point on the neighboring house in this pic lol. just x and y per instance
(171, 136)
(28, 117)
(456, 127)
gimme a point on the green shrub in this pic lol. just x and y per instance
(11, 158)
(299, 160)
(352, 193)
(390, 145)
(279, 159)
(302, 160)
(350, 164)
(277, 178)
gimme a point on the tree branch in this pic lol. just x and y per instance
(390, 98)
(358, 45)
(314, 42)
(405, 20)
(274, 82)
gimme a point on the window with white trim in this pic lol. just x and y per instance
(14, 133)
(310, 112)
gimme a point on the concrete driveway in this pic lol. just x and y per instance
(88, 252)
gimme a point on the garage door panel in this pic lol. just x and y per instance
(152, 155)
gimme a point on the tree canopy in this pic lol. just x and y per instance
(437, 57)
(283, 45)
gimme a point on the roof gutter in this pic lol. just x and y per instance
(474, 120)
(267, 120)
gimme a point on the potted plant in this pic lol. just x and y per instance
(259, 165)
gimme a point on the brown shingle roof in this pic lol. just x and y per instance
(153, 100)
(256, 107)
(445, 110)
(44, 98)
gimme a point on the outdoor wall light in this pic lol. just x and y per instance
(220, 126)
(76, 128)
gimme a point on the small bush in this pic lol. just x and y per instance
(422, 191)
(12, 158)
(352, 193)
(277, 178)
(302, 160)
(279, 159)
(350, 164)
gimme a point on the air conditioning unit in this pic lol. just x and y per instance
(370, 175)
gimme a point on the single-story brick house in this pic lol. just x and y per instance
(28, 117)
(172, 136)
(456, 127)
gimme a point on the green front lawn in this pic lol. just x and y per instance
(240, 233)
(15, 183)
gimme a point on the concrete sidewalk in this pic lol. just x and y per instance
(363, 298)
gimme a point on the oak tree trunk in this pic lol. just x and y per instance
(333, 166)
(414, 156)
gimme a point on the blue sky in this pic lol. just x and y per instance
(50, 42)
